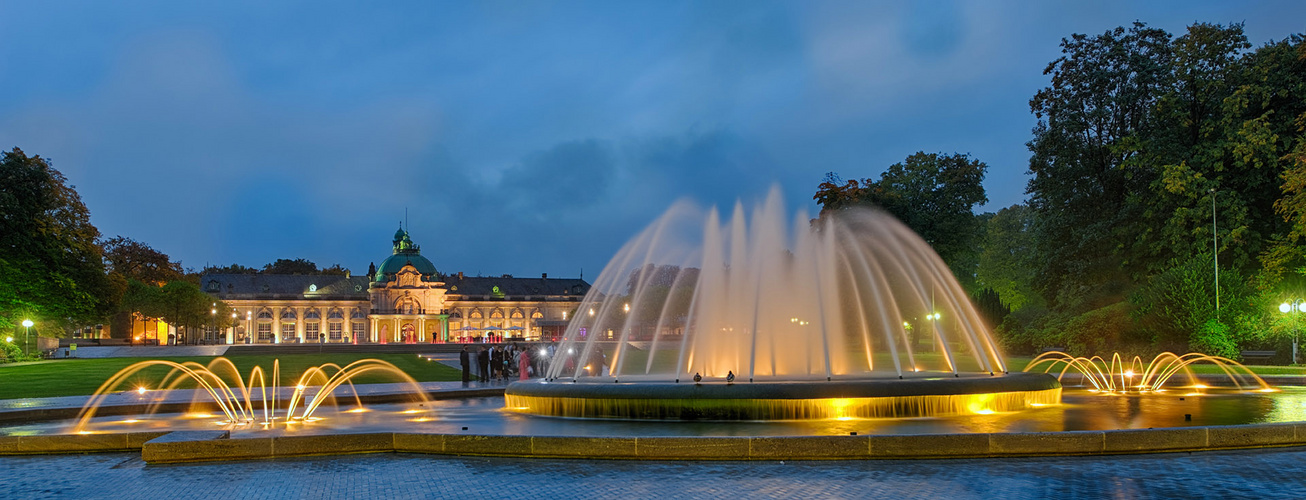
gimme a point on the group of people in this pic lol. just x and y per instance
(502, 362)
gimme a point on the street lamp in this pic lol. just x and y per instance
(1215, 252)
(1292, 307)
(27, 330)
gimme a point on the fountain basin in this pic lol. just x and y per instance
(916, 395)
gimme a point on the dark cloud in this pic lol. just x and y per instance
(520, 137)
(571, 176)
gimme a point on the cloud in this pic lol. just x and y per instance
(567, 177)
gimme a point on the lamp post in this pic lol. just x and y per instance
(1215, 252)
(1293, 307)
(27, 331)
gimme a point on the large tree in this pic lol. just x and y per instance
(1005, 257)
(135, 263)
(934, 194)
(50, 265)
(1087, 195)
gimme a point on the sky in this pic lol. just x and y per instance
(518, 137)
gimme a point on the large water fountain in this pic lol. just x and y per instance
(750, 317)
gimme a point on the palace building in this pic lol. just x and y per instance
(405, 300)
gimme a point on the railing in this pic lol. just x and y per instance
(409, 311)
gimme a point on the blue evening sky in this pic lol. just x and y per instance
(522, 137)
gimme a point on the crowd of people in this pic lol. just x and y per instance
(503, 362)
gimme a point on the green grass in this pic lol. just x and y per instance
(75, 377)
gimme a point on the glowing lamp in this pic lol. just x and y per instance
(27, 323)
(1285, 307)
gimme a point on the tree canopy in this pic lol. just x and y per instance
(934, 194)
(50, 265)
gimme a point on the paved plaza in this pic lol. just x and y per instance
(1261, 474)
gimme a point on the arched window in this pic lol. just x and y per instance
(517, 314)
(336, 313)
(288, 315)
(408, 305)
(312, 314)
(537, 315)
(265, 314)
(356, 313)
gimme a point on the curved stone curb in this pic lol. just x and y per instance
(192, 446)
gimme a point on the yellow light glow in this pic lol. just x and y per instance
(357, 410)
(1200, 386)
(198, 415)
(130, 421)
(1129, 373)
(411, 411)
(140, 390)
(299, 387)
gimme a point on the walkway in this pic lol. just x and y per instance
(1259, 474)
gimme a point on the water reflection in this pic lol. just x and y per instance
(1081, 410)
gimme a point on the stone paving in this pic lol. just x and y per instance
(1260, 474)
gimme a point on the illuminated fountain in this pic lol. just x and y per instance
(1135, 377)
(252, 400)
(852, 315)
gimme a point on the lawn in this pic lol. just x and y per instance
(73, 377)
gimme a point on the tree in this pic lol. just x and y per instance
(1006, 255)
(181, 303)
(132, 262)
(136, 260)
(231, 269)
(50, 266)
(287, 266)
(933, 194)
(1087, 196)
(989, 305)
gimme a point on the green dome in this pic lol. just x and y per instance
(405, 253)
(394, 263)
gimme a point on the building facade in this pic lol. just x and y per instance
(403, 300)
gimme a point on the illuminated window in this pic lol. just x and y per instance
(265, 331)
(311, 331)
(335, 331)
(360, 328)
(288, 332)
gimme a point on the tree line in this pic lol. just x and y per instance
(1156, 160)
(57, 270)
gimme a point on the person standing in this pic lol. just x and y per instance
(524, 364)
(465, 361)
(483, 359)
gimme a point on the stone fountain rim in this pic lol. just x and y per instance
(934, 384)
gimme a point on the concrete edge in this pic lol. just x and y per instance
(183, 446)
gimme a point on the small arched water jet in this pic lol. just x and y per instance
(235, 395)
(829, 300)
(1120, 377)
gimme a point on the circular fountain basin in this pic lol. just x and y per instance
(915, 395)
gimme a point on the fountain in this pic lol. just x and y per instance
(749, 318)
(252, 400)
(1119, 377)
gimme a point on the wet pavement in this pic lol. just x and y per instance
(1261, 474)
